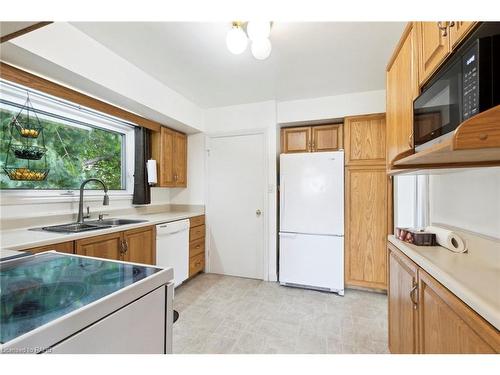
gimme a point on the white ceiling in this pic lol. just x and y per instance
(308, 59)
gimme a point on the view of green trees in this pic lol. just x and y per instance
(74, 153)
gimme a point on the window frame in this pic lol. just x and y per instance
(77, 114)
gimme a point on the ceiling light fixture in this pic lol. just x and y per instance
(236, 39)
(257, 31)
(261, 48)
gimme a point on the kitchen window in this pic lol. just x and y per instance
(80, 143)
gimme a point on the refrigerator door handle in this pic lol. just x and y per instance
(282, 201)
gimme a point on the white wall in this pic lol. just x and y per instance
(329, 107)
(246, 117)
(195, 191)
(404, 201)
(467, 199)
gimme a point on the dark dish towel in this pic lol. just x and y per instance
(142, 190)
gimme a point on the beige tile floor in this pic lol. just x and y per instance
(223, 314)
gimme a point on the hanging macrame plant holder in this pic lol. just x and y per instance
(26, 147)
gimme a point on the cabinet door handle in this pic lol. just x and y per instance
(313, 146)
(122, 247)
(443, 26)
(412, 295)
(410, 141)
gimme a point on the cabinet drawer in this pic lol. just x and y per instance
(196, 264)
(197, 233)
(197, 247)
(197, 221)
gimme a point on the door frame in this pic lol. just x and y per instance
(265, 203)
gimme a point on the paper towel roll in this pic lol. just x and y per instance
(448, 239)
(151, 169)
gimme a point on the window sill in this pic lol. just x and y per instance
(18, 197)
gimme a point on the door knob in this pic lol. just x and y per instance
(258, 212)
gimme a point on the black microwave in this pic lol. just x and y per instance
(468, 84)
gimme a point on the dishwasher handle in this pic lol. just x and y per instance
(170, 233)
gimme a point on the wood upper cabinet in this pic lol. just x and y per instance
(180, 159)
(365, 140)
(434, 47)
(366, 227)
(312, 138)
(402, 88)
(296, 139)
(436, 40)
(458, 30)
(402, 292)
(63, 247)
(140, 245)
(169, 149)
(108, 246)
(327, 137)
(447, 325)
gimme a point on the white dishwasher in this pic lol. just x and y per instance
(172, 248)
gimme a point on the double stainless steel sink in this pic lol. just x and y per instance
(89, 225)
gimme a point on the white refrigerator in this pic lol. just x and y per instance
(311, 237)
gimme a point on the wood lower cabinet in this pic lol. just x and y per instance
(196, 245)
(401, 89)
(169, 149)
(140, 245)
(107, 246)
(425, 317)
(318, 138)
(196, 264)
(403, 318)
(448, 326)
(134, 245)
(63, 247)
(365, 140)
(366, 227)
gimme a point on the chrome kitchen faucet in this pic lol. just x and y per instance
(105, 201)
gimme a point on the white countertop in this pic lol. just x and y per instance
(474, 277)
(22, 238)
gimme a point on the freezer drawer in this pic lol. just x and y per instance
(312, 261)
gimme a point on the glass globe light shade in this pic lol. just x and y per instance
(236, 40)
(261, 48)
(258, 29)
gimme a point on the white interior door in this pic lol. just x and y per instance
(235, 195)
